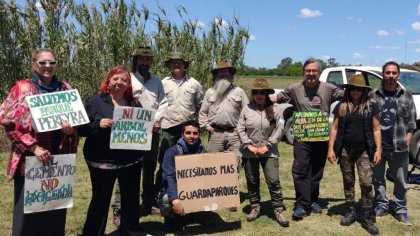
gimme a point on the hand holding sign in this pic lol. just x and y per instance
(106, 123)
(42, 154)
(67, 128)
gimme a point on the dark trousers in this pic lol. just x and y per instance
(48, 223)
(102, 185)
(168, 138)
(270, 168)
(149, 167)
(308, 168)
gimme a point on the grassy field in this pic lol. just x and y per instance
(234, 223)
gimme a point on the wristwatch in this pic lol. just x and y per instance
(269, 146)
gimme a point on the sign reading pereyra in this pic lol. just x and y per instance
(132, 128)
(208, 181)
(49, 187)
(50, 110)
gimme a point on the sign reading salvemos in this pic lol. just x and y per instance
(132, 128)
(49, 187)
(208, 181)
(310, 126)
(50, 110)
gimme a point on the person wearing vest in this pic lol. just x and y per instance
(355, 140)
(189, 143)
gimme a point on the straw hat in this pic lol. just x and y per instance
(224, 65)
(357, 81)
(261, 84)
(176, 56)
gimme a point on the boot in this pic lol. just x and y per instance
(350, 217)
(278, 214)
(254, 214)
(368, 224)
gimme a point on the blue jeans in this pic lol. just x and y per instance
(398, 163)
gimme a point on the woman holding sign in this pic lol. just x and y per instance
(260, 127)
(15, 116)
(356, 130)
(107, 165)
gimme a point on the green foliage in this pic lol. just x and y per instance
(90, 39)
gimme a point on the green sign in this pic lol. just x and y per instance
(310, 126)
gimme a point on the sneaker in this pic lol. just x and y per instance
(316, 208)
(116, 217)
(379, 211)
(254, 214)
(403, 219)
(278, 214)
(299, 213)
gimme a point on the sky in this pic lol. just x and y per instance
(367, 32)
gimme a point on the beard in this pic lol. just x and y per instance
(143, 70)
(221, 87)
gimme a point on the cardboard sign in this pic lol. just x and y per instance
(311, 126)
(207, 182)
(132, 128)
(50, 110)
(49, 187)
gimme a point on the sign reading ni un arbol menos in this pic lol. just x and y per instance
(132, 128)
(49, 187)
(50, 110)
(310, 126)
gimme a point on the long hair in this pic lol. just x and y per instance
(104, 88)
(347, 105)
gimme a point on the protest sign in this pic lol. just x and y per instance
(132, 128)
(310, 126)
(50, 110)
(208, 181)
(49, 187)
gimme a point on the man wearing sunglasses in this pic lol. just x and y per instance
(311, 95)
(397, 117)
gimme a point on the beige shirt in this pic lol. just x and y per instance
(150, 93)
(224, 114)
(255, 128)
(184, 100)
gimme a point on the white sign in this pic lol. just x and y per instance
(132, 128)
(49, 187)
(50, 110)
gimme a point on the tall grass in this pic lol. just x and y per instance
(90, 38)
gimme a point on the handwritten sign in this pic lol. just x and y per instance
(50, 110)
(49, 187)
(311, 126)
(132, 128)
(208, 181)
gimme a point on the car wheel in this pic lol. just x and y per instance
(288, 130)
(414, 148)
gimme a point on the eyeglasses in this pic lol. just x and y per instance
(189, 133)
(259, 92)
(311, 71)
(43, 63)
(391, 72)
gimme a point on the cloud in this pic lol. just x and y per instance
(352, 18)
(416, 26)
(399, 32)
(381, 47)
(308, 13)
(418, 9)
(414, 42)
(357, 56)
(252, 37)
(382, 33)
(377, 47)
(326, 57)
(200, 24)
(221, 22)
(38, 5)
(417, 50)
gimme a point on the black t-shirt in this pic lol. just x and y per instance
(388, 118)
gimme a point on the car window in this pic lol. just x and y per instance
(336, 78)
(410, 81)
(373, 81)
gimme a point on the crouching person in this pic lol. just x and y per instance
(189, 143)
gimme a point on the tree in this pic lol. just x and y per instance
(331, 62)
(285, 62)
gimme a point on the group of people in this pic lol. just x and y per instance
(250, 127)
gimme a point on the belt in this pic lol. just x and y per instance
(222, 129)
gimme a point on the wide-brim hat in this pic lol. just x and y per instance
(224, 65)
(261, 84)
(176, 56)
(357, 81)
(143, 51)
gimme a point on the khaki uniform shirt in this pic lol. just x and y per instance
(150, 93)
(224, 114)
(184, 100)
(256, 128)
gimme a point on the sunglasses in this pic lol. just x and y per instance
(189, 133)
(355, 89)
(311, 71)
(43, 63)
(259, 92)
(391, 72)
